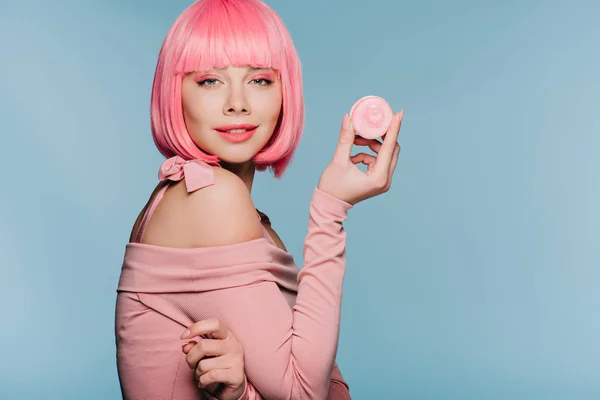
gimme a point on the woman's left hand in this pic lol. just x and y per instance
(344, 180)
(218, 362)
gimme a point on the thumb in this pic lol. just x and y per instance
(345, 142)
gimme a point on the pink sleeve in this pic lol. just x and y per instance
(338, 388)
(316, 314)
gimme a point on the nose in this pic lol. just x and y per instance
(237, 102)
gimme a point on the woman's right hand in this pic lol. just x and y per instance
(218, 363)
(342, 178)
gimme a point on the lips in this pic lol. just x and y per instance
(236, 127)
(236, 133)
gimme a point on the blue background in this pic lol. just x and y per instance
(475, 277)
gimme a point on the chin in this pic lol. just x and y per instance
(235, 160)
(241, 153)
(237, 156)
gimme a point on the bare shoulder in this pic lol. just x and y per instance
(215, 215)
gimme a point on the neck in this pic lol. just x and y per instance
(244, 171)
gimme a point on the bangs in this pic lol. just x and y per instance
(227, 33)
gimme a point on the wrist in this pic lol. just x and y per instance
(331, 203)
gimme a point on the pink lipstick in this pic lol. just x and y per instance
(237, 133)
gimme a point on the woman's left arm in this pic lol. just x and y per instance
(338, 388)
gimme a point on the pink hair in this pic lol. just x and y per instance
(214, 34)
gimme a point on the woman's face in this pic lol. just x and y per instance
(231, 112)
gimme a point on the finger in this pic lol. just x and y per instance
(188, 346)
(397, 149)
(389, 143)
(394, 162)
(221, 375)
(367, 159)
(205, 348)
(345, 142)
(211, 326)
(206, 364)
(373, 144)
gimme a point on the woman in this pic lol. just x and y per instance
(227, 101)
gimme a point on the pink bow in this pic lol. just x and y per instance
(198, 173)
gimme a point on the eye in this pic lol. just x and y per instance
(262, 81)
(207, 82)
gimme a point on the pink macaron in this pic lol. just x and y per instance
(371, 116)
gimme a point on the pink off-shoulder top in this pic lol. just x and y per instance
(287, 320)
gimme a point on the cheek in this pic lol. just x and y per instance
(197, 108)
(189, 104)
(273, 106)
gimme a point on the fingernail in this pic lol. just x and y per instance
(401, 114)
(346, 122)
(185, 334)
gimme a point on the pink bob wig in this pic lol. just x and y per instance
(215, 34)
